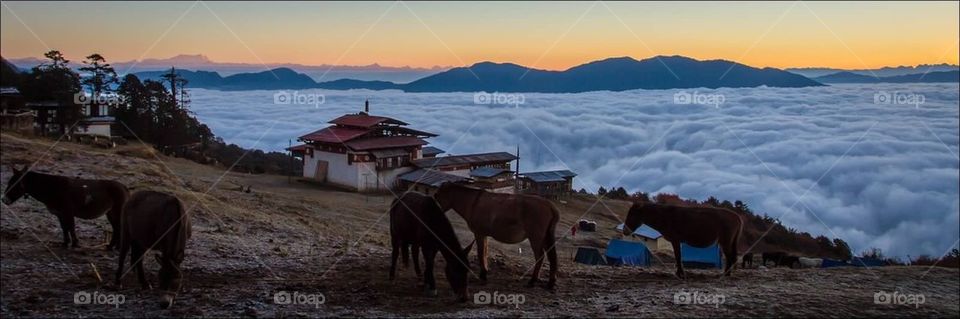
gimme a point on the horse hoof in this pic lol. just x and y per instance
(430, 292)
(551, 287)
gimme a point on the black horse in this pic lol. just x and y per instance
(417, 220)
(68, 198)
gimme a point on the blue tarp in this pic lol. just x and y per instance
(827, 263)
(644, 231)
(696, 257)
(621, 252)
(589, 256)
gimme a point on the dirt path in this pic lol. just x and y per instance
(250, 248)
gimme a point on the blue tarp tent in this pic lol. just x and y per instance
(695, 257)
(828, 263)
(621, 252)
(589, 256)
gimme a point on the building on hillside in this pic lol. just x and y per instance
(427, 181)
(53, 117)
(490, 171)
(365, 152)
(651, 238)
(553, 184)
(14, 115)
(360, 151)
(431, 152)
(98, 120)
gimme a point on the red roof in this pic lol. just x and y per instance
(334, 134)
(384, 142)
(298, 148)
(364, 120)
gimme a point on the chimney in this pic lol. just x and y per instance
(366, 106)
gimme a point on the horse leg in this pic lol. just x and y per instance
(552, 255)
(730, 251)
(429, 282)
(482, 257)
(73, 235)
(415, 255)
(538, 251)
(393, 260)
(65, 225)
(405, 254)
(679, 260)
(124, 248)
(113, 216)
(136, 261)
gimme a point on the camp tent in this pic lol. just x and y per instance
(650, 237)
(589, 256)
(828, 263)
(621, 252)
(695, 257)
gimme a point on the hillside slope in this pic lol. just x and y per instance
(298, 238)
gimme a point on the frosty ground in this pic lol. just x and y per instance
(303, 240)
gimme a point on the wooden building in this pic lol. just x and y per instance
(53, 118)
(360, 151)
(14, 115)
(552, 184)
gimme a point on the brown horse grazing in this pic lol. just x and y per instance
(508, 218)
(696, 226)
(68, 197)
(155, 220)
(415, 219)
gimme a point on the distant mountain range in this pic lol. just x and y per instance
(317, 72)
(614, 74)
(880, 72)
(931, 77)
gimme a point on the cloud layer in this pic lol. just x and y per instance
(826, 160)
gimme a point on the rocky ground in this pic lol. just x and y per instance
(289, 239)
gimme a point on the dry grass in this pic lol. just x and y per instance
(295, 237)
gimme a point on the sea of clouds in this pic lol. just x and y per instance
(876, 165)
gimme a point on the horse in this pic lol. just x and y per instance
(416, 219)
(155, 220)
(508, 218)
(68, 197)
(747, 259)
(694, 225)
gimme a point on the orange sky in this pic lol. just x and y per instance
(541, 35)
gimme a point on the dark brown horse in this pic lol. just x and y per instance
(696, 226)
(68, 197)
(155, 220)
(415, 219)
(508, 218)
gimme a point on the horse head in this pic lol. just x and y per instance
(447, 194)
(15, 186)
(635, 217)
(170, 278)
(457, 273)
